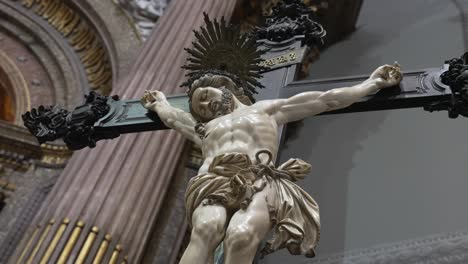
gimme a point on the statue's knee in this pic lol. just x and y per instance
(209, 230)
(241, 236)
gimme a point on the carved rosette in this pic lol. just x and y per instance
(456, 77)
(292, 18)
(76, 127)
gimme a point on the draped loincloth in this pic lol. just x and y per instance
(230, 182)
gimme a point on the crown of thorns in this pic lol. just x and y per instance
(221, 49)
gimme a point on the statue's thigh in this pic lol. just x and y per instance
(213, 216)
(256, 217)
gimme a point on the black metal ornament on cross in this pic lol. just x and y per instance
(287, 36)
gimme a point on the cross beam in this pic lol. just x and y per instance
(114, 116)
(417, 89)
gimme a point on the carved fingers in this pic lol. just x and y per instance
(152, 98)
(147, 100)
(394, 74)
(387, 75)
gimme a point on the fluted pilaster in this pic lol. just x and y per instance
(102, 207)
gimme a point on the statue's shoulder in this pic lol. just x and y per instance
(259, 105)
(265, 106)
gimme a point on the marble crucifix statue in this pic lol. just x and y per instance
(238, 195)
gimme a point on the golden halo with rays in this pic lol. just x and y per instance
(222, 49)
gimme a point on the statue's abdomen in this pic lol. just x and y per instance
(242, 134)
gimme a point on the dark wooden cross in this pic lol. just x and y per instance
(106, 117)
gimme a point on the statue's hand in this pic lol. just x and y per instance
(153, 98)
(387, 75)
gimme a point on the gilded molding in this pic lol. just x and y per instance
(55, 155)
(87, 245)
(53, 245)
(14, 163)
(115, 254)
(28, 245)
(39, 242)
(19, 149)
(14, 158)
(81, 36)
(33, 245)
(71, 242)
(102, 249)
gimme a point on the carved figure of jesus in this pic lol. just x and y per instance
(238, 195)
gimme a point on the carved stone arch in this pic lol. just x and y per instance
(54, 72)
(117, 32)
(63, 59)
(16, 87)
(90, 54)
(50, 50)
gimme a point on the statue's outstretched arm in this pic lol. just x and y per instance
(172, 117)
(312, 103)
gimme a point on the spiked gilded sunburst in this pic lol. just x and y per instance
(222, 49)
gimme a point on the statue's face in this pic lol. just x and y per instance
(210, 103)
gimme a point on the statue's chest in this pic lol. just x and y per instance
(236, 122)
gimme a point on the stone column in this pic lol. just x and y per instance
(103, 205)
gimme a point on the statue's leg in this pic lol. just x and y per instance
(247, 228)
(208, 225)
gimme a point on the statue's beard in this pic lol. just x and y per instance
(223, 107)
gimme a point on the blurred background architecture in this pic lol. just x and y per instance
(391, 184)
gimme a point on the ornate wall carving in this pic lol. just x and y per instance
(85, 41)
(144, 13)
(123, 210)
(337, 17)
(23, 76)
(58, 50)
